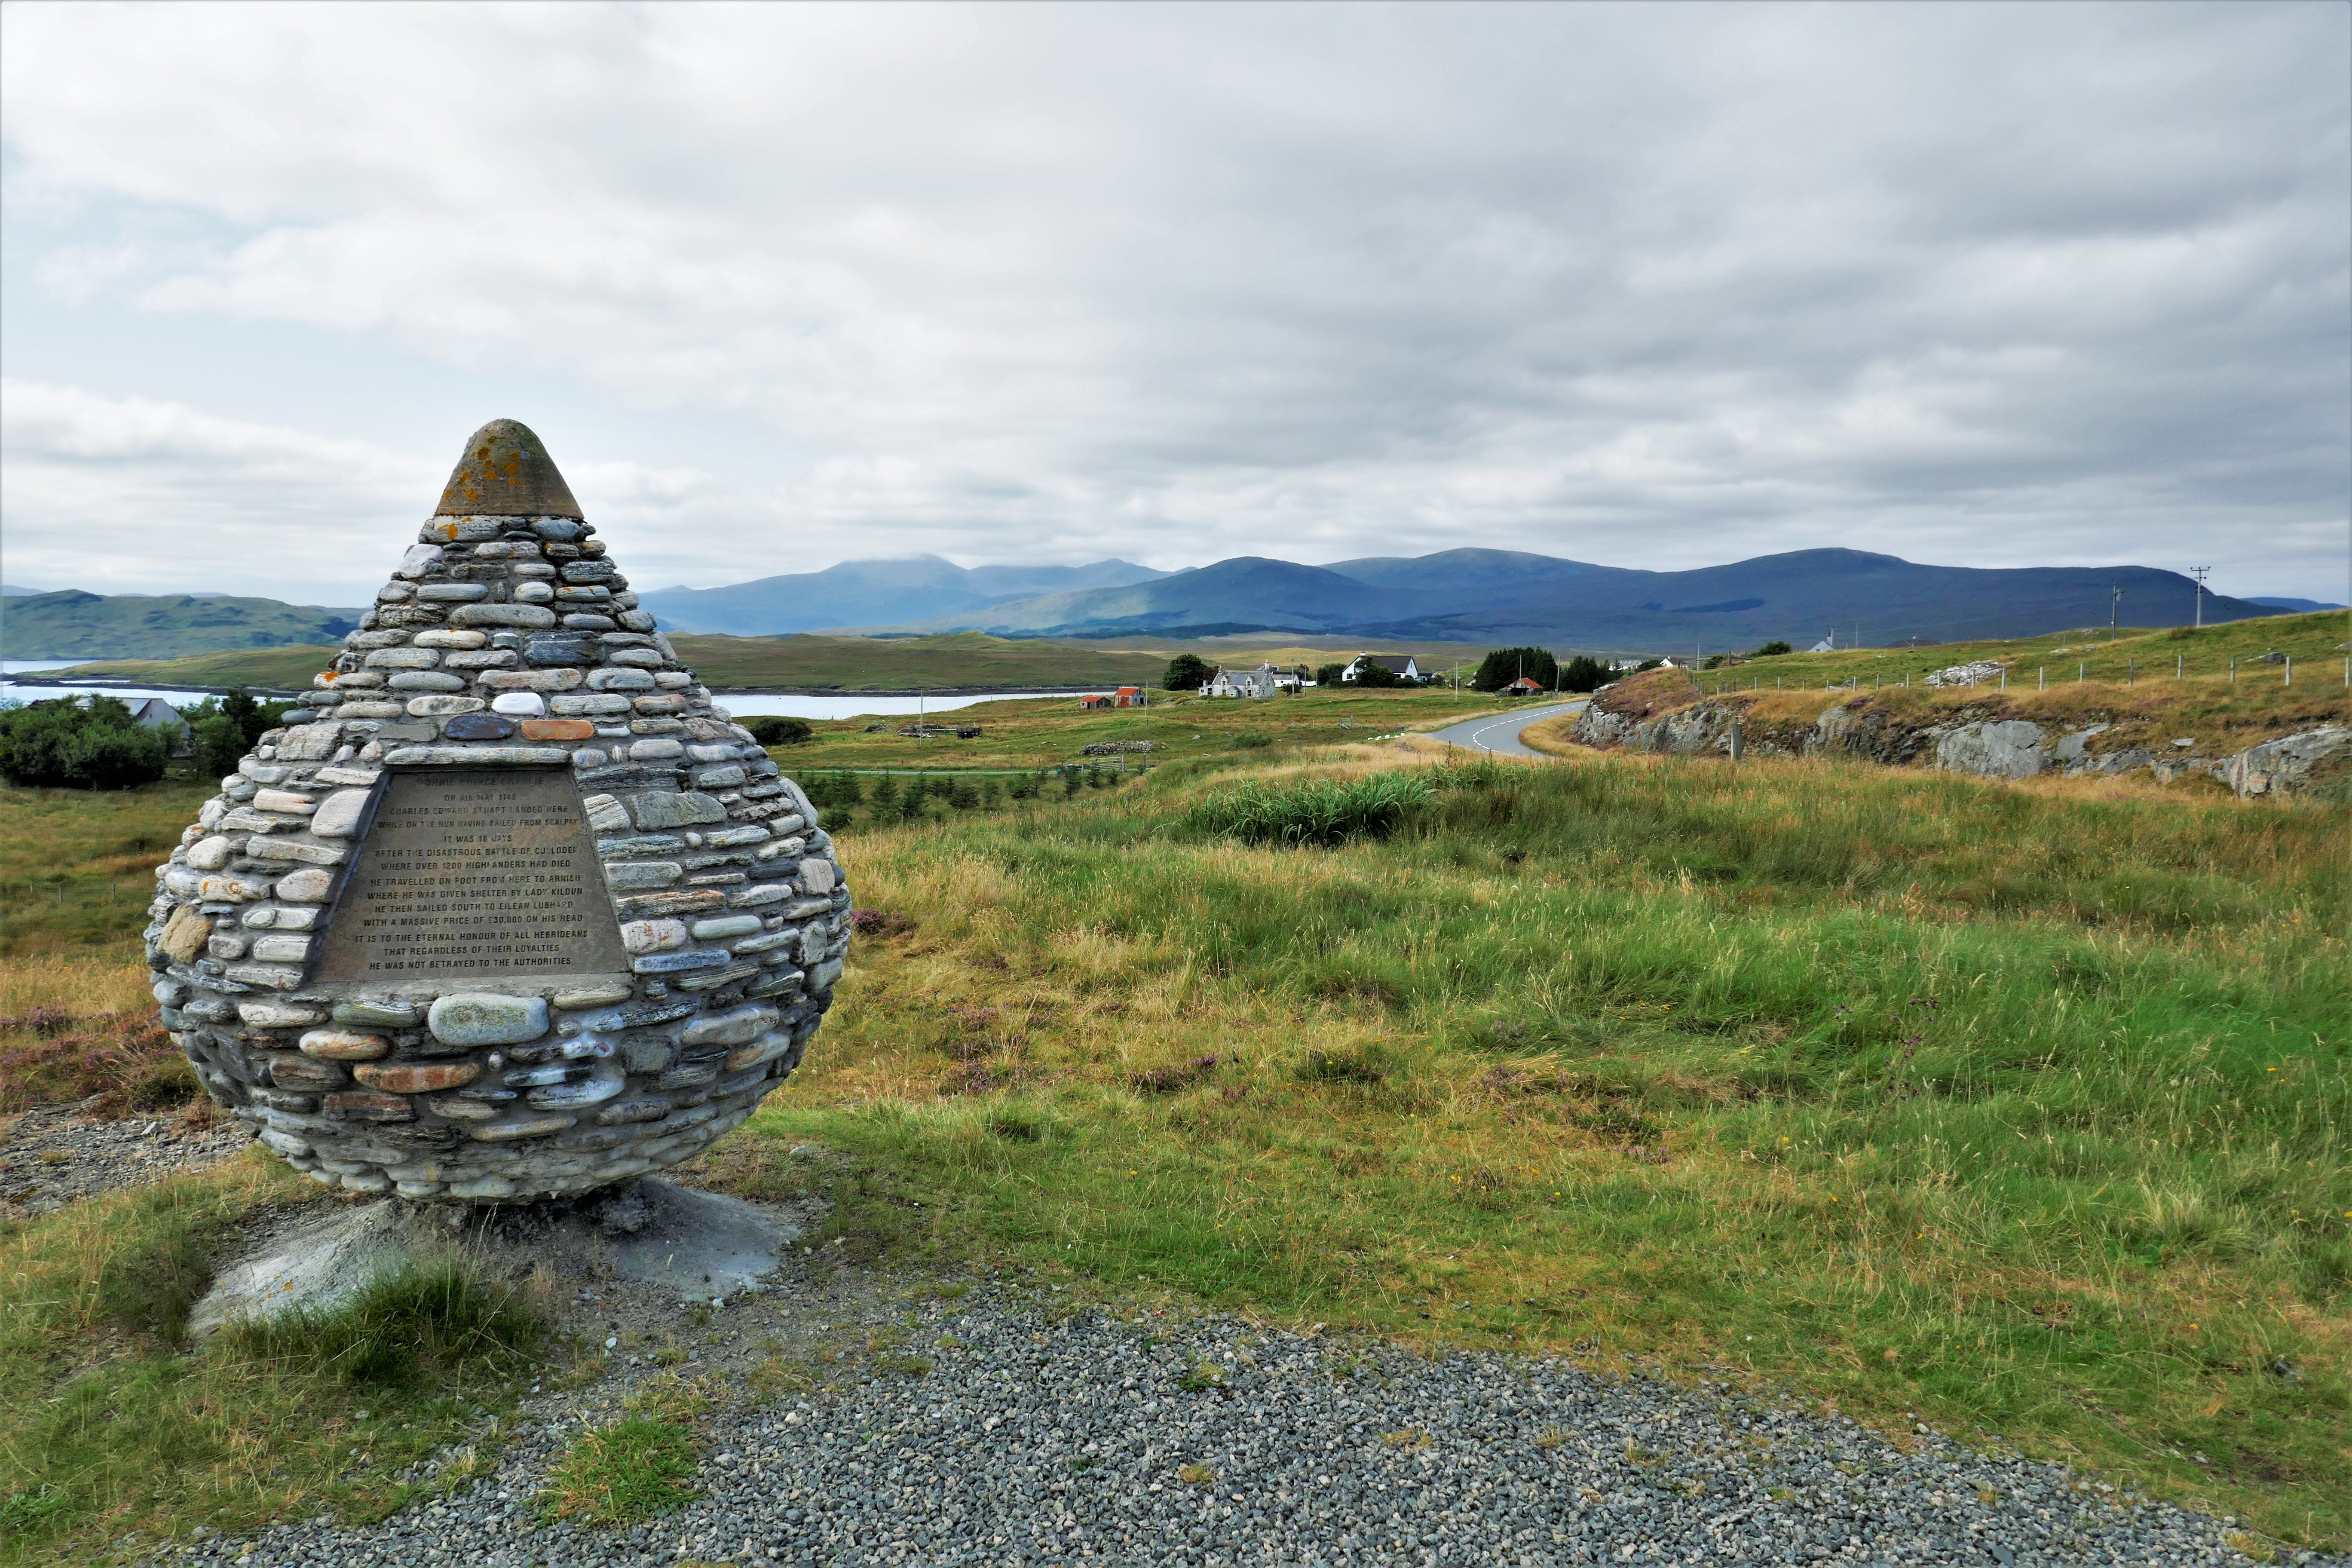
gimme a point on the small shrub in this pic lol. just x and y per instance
(1316, 812)
(1196, 1475)
(835, 791)
(75, 743)
(1203, 1377)
(220, 744)
(775, 730)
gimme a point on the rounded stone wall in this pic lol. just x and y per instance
(507, 908)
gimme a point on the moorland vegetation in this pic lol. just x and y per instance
(2016, 1109)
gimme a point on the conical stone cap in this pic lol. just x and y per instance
(505, 472)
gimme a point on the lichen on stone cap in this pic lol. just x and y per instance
(505, 472)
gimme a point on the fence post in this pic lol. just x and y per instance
(2289, 669)
(2042, 678)
(2178, 660)
(2078, 673)
(2004, 678)
(2233, 669)
(2130, 668)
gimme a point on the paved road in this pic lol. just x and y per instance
(1500, 735)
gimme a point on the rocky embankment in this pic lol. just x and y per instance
(1976, 740)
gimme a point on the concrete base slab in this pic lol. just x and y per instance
(665, 1242)
(701, 1243)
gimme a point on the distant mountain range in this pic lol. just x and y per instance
(1497, 596)
(2296, 606)
(868, 593)
(1479, 596)
(74, 625)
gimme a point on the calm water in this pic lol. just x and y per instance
(742, 705)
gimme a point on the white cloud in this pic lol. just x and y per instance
(124, 495)
(1659, 287)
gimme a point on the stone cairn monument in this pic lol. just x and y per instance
(507, 910)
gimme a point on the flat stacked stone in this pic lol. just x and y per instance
(505, 640)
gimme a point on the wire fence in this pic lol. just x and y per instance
(2277, 669)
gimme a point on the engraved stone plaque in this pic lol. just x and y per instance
(471, 873)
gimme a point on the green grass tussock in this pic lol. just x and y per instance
(402, 1325)
(111, 1424)
(633, 1470)
(1315, 811)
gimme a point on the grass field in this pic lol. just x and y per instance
(2021, 1108)
(2138, 655)
(1053, 731)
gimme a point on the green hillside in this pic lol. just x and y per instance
(961, 660)
(75, 625)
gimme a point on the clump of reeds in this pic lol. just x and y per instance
(1315, 811)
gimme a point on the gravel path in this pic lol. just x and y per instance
(1042, 1436)
(50, 1157)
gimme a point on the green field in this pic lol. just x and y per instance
(2140, 655)
(2018, 1108)
(1053, 731)
(2023, 1111)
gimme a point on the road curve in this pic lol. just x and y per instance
(1500, 733)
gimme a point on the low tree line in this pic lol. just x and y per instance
(95, 742)
(849, 799)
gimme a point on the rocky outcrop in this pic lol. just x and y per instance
(1685, 731)
(1997, 749)
(1867, 733)
(2318, 763)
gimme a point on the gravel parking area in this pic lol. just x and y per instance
(1040, 1434)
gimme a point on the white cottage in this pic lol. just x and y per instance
(1265, 681)
(1399, 663)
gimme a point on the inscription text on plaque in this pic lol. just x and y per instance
(473, 872)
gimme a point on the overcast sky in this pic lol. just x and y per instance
(781, 286)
